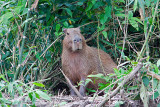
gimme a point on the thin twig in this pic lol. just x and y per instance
(88, 23)
(125, 34)
(41, 55)
(22, 46)
(148, 35)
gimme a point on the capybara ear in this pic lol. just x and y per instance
(65, 30)
(78, 28)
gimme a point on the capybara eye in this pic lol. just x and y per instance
(67, 33)
(74, 40)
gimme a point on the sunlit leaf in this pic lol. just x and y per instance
(156, 94)
(158, 63)
(104, 34)
(39, 84)
(147, 2)
(135, 5)
(58, 27)
(144, 95)
(69, 11)
(43, 95)
(89, 6)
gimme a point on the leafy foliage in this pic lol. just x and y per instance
(23, 91)
(30, 40)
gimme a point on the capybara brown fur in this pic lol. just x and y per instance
(80, 60)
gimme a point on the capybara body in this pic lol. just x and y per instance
(80, 60)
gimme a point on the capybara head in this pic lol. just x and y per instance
(73, 41)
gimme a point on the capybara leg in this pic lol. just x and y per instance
(72, 93)
(82, 88)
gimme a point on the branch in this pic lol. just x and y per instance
(153, 75)
(127, 78)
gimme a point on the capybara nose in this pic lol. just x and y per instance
(77, 39)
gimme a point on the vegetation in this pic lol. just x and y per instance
(31, 44)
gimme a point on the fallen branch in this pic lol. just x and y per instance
(153, 75)
(127, 78)
(74, 89)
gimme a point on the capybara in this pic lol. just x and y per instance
(80, 60)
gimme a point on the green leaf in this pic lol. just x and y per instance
(141, 4)
(106, 42)
(158, 89)
(98, 4)
(108, 10)
(65, 24)
(58, 27)
(144, 95)
(134, 24)
(32, 96)
(118, 103)
(104, 34)
(158, 104)
(26, 21)
(135, 5)
(147, 2)
(56, 33)
(10, 87)
(158, 63)
(1, 95)
(61, 104)
(156, 94)
(69, 11)
(120, 15)
(145, 26)
(133, 88)
(43, 95)
(104, 17)
(122, 1)
(2, 76)
(89, 6)
(97, 76)
(80, 3)
(87, 81)
(130, 14)
(20, 90)
(156, 70)
(18, 9)
(39, 84)
(155, 83)
(93, 1)
(37, 96)
(136, 19)
(38, 56)
(145, 81)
